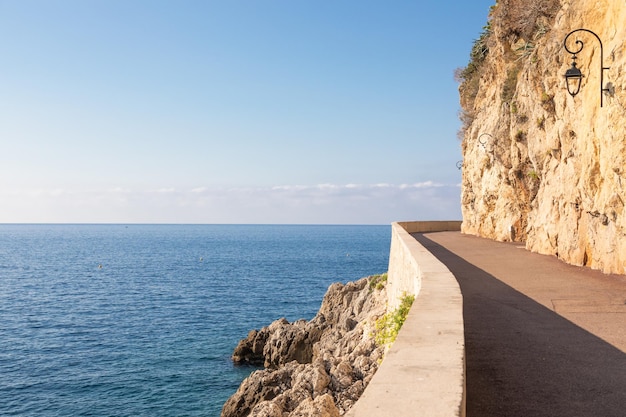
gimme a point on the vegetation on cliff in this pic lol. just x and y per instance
(516, 24)
(388, 326)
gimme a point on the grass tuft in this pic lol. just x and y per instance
(388, 326)
(378, 282)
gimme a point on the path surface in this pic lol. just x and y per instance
(543, 338)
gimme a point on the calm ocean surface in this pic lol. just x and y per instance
(140, 320)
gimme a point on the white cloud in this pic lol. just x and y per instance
(379, 203)
(120, 190)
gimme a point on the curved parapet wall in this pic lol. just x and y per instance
(408, 259)
(423, 373)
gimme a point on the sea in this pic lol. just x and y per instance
(141, 320)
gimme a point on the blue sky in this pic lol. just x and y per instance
(258, 111)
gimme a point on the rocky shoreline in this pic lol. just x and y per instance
(315, 368)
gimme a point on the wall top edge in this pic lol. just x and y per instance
(430, 226)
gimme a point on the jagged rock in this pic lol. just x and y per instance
(314, 379)
(277, 344)
(250, 350)
(323, 406)
(267, 409)
(314, 368)
(258, 387)
(342, 376)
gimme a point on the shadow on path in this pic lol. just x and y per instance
(525, 360)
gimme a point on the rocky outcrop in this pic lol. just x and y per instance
(315, 368)
(539, 165)
(279, 343)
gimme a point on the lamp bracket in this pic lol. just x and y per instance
(579, 47)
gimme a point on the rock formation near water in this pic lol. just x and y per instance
(317, 368)
(539, 165)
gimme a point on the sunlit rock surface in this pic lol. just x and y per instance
(316, 368)
(541, 166)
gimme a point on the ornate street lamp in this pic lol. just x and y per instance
(573, 76)
(459, 164)
(484, 143)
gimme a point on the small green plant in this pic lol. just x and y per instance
(520, 135)
(547, 101)
(524, 50)
(533, 174)
(510, 85)
(541, 122)
(388, 326)
(378, 282)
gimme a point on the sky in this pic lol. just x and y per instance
(232, 111)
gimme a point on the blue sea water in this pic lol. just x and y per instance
(141, 320)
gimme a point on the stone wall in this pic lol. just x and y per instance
(405, 272)
(423, 373)
(539, 165)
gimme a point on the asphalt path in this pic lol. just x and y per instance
(542, 338)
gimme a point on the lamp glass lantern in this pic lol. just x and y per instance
(573, 78)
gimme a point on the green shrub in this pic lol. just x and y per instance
(522, 118)
(388, 326)
(378, 282)
(469, 77)
(479, 52)
(510, 84)
(541, 122)
(547, 101)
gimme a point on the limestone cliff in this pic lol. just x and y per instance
(539, 165)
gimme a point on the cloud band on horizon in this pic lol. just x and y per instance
(380, 203)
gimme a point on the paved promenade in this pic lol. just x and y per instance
(543, 338)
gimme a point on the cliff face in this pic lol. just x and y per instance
(539, 165)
